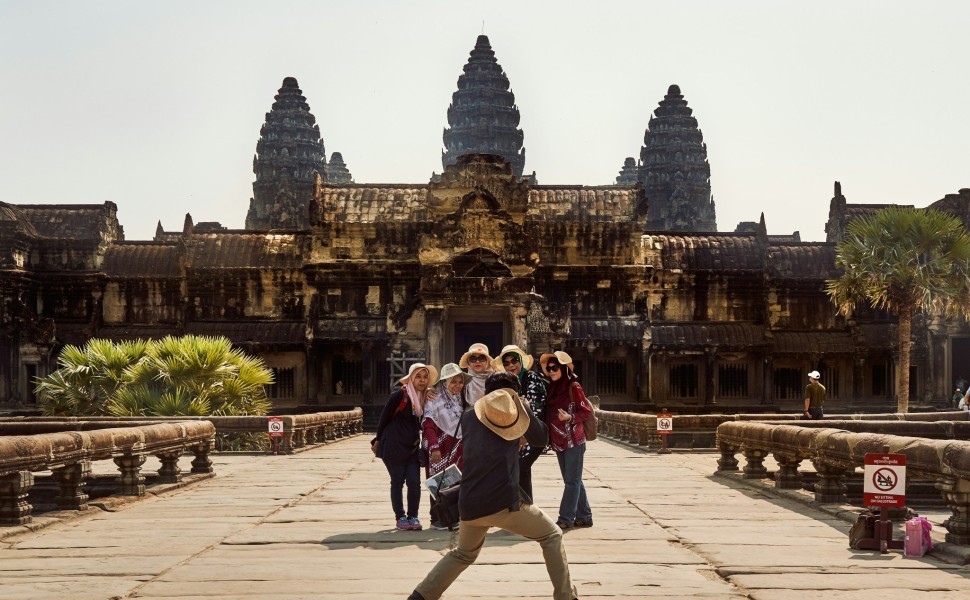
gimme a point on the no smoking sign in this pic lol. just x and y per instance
(884, 481)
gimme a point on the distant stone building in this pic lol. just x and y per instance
(339, 285)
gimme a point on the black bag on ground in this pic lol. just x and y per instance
(446, 507)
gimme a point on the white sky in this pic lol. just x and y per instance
(157, 106)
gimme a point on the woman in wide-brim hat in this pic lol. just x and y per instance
(440, 425)
(513, 359)
(398, 438)
(479, 365)
(567, 409)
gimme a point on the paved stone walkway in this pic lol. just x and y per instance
(318, 525)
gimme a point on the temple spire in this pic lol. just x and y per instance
(675, 173)
(337, 171)
(483, 117)
(289, 155)
(629, 174)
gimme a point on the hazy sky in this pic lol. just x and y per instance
(157, 106)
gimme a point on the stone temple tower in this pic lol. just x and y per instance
(483, 117)
(674, 169)
(289, 156)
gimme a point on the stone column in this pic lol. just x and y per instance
(767, 378)
(710, 363)
(71, 478)
(14, 508)
(202, 463)
(727, 462)
(830, 487)
(131, 482)
(754, 467)
(170, 472)
(434, 317)
(956, 492)
(788, 477)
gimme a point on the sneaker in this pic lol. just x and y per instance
(583, 523)
(402, 523)
(564, 525)
(414, 524)
(438, 526)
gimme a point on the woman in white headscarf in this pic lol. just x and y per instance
(442, 414)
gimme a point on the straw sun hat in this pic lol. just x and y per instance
(450, 370)
(432, 374)
(474, 349)
(513, 349)
(560, 356)
(502, 412)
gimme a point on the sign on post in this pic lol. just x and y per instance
(665, 424)
(884, 481)
(275, 427)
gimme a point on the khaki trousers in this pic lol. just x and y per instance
(529, 522)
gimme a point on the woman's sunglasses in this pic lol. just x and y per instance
(552, 368)
(477, 358)
(512, 360)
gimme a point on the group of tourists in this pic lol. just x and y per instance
(492, 418)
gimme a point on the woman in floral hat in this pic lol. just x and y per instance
(479, 365)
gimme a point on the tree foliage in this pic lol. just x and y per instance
(174, 376)
(904, 261)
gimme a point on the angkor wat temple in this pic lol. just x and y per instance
(340, 285)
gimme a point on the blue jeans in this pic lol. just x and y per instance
(409, 473)
(574, 504)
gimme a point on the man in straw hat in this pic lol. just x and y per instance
(490, 495)
(513, 359)
(396, 442)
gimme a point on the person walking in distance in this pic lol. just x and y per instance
(490, 495)
(815, 396)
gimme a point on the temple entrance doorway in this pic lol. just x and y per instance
(466, 325)
(488, 333)
(959, 362)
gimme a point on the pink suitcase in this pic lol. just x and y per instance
(918, 540)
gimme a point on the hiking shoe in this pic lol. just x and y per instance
(564, 525)
(583, 523)
(414, 524)
(402, 523)
(438, 526)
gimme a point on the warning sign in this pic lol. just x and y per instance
(665, 424)
(884, 481)
(275, 426)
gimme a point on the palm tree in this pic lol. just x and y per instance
(174, 376)
(904, 260)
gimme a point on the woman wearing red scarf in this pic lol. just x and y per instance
(566, 410)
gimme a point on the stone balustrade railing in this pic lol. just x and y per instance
(699, 431)
(68, 455)
(836, 453)
(299, 431)
(67, 445)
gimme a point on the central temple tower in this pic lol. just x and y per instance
(483, 117)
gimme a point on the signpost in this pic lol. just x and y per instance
(665, 426)
(884, 486)
(275, 432)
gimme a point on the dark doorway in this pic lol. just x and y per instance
(488, 333)
(959, 362)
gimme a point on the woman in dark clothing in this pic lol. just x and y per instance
(399, 433)
(516, 361)
(566, 410)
